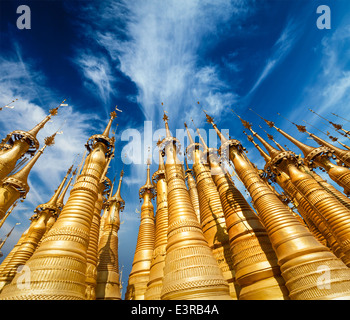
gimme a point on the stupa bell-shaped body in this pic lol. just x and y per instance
(211, 213)
(299, 253)
(255, 262)
(139, 275)
(191, 272)
(155, 282)
(58, 266)
(334, 212)
(108, 286)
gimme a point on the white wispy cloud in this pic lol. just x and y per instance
(280, 50)
(159, 48)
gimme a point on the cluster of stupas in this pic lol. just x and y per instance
(199, 238)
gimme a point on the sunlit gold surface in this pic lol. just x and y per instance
(299, 254)
(58, 266)
(108, 286)
(255, 262)
(155, 282)
(139, 275)
(191, 271)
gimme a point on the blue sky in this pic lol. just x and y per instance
(265, 55)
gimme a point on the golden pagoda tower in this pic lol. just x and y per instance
(19, 142)
(35, 232)
(155, 282)
(255, 262)
(58, 266)
(15, 186)
(283, 180)
(192, 189)
(305, 201)
(191, 272)
(92, 250)
(108, 286)
(139, 275)
(335, 213)
(300, 255)
(211, 213)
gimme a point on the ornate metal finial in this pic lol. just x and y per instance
(269, 123)
(8, 105)
(245, 123)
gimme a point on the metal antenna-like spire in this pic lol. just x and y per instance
(336, 126)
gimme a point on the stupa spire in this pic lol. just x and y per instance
(19, 142)
(242, 221)
(186, 242)
(286, 231)
(140, 272)
(108, 284)
(270, 149)
(73, 225)
(16, 186)
(336, 126)
(155, 282)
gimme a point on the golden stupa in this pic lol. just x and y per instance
(198, 237)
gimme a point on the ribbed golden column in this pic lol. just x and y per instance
(302, 258)
(108, 284)
(36, 230)
(53, 217)
(92, 250)
(306, 210)
(211, 213)
(336, 215)
(192, 190)
(191, 271)
(58, 266)
(255, 263)
(155, 282)
(139, 275)
(19, 142)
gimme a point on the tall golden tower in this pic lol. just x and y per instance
(58, 266)
(16, 186)
(192, 189)
(108, 286)
(35, 232)
(300, 255)
(255, 262)
(211, 213)
(155, 282)
(283, 180)
(139, 275)
(19, 142)
(191, 271)
(335, 213)
(92, 250)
